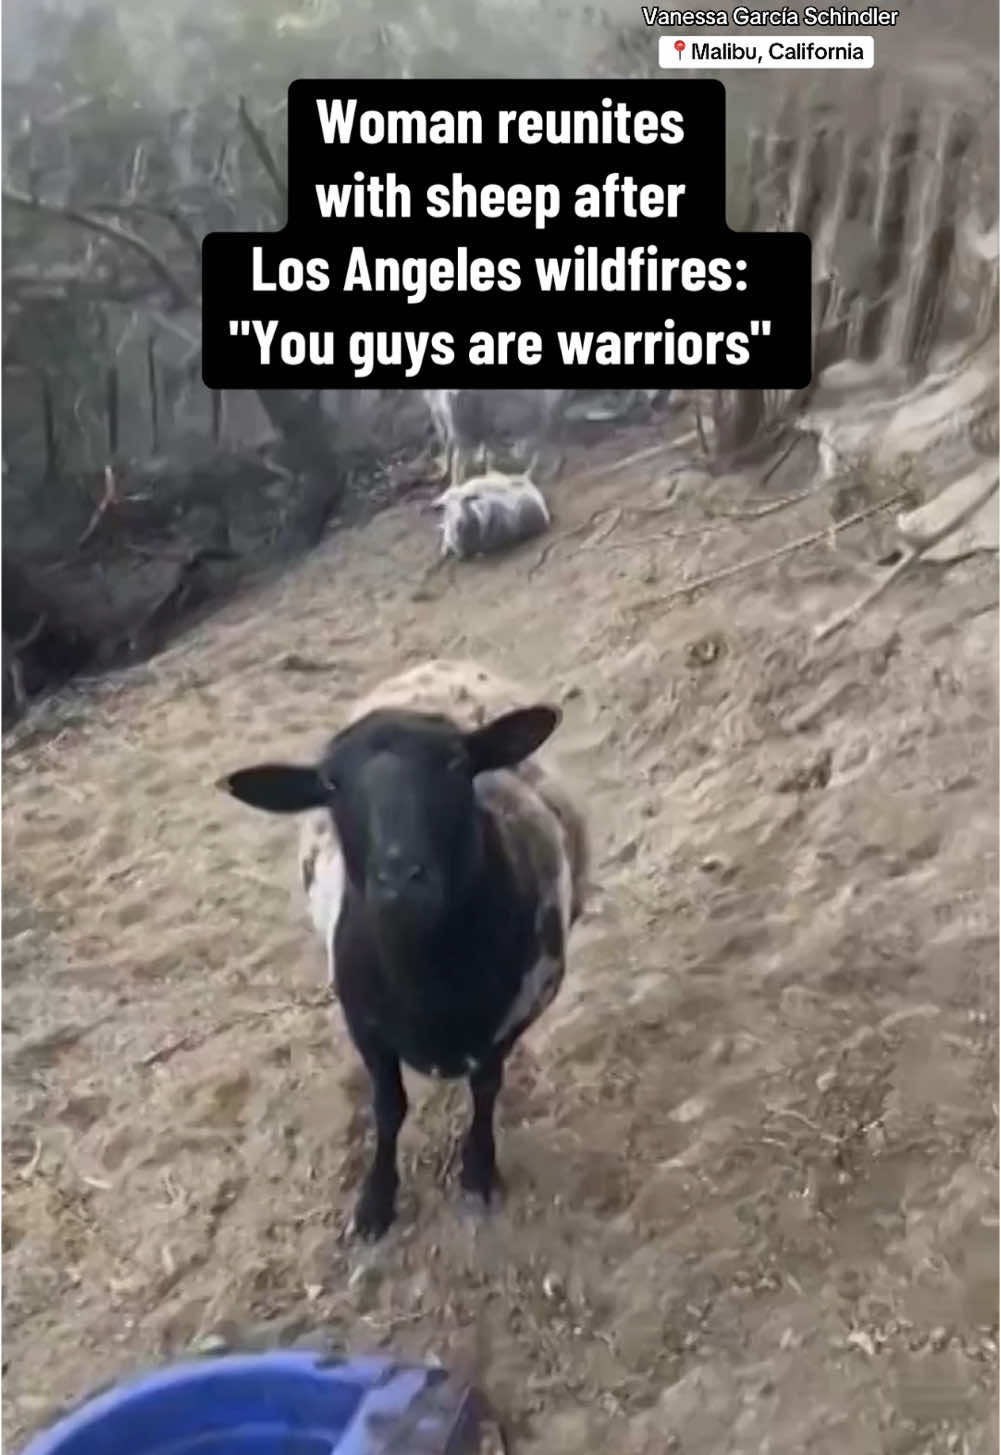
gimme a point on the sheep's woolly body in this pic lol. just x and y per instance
(543, 831)
(460, 423)
(489, 512)
(537, 847)
(467, 420)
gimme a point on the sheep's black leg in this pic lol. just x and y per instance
(479, 1167)
(376, 1205)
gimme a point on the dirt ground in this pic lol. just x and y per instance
(750, 1153)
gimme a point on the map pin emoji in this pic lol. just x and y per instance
(679, 46)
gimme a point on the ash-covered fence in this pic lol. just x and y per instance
(896, 183)
(893, 175)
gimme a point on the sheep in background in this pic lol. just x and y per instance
(454, 864)
(459, 431)
(489, 512)
(463, 423)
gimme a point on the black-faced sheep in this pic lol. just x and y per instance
(444, 872)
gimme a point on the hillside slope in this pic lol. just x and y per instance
(750, 1153)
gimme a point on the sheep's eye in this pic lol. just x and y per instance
(458, 763)
(329, 782)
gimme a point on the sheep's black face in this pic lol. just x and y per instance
(400, 788)
(401, 793)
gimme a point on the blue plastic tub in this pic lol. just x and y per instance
(285, 1403)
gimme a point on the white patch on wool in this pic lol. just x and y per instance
(461, 689)
(564, 888)
(321, 869)
(542, 982)
(535, 994)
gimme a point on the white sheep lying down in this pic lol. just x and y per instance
(488, 513)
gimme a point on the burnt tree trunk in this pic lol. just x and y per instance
(309, 452)
(42, 646)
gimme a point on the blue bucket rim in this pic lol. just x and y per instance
(363, 1370)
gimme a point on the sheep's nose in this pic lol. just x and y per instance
(396, 875)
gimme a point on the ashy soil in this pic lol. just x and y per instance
(750, 1153)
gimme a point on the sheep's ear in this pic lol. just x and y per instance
(276, 788)
(511, 738)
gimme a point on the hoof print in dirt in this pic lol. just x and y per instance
(705, 651)
(813, 775)
(296, 662)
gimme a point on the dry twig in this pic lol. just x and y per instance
(576, 530)
(21, 644)
(194, 1040)
(260, 145)
(699, 429)
(109, 498)
(602, 535)
(801, 542)
(176, 218)
(181, 293)
(712, 526)
(916, 549)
